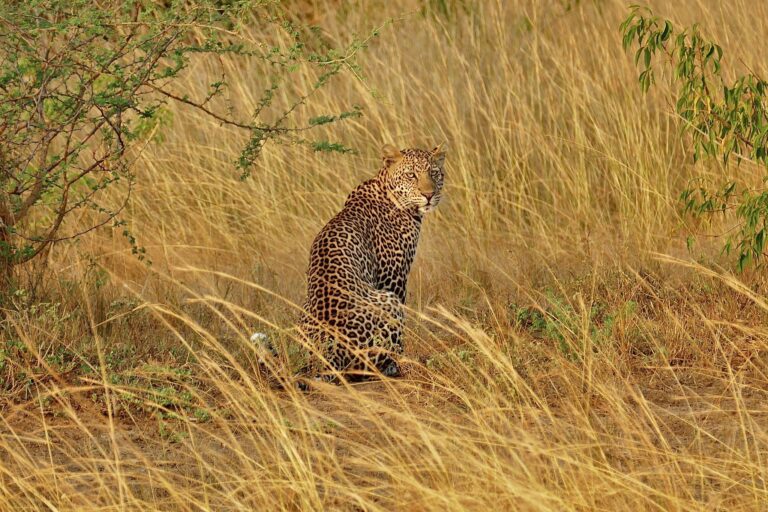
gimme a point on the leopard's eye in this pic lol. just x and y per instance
(411, 175)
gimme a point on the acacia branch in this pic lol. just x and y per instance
(202, 107)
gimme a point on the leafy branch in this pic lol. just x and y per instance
(83, 85)
(724, 120)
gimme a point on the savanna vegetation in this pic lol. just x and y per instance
(587, 311)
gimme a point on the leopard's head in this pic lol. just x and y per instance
(413, 178)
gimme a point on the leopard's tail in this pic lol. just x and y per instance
(268, 359)
(266, 349)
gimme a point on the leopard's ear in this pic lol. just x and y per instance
(438, 154)
(390, 154)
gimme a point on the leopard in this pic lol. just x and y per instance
(354, 313)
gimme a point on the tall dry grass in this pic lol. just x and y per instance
(564, 351)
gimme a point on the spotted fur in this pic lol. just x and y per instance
(359, 264)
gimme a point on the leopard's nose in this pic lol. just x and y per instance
(428, 195)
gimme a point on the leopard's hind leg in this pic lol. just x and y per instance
(362, 338)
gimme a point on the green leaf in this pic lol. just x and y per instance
(330, 147)
(319, 120)
(667, 30)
